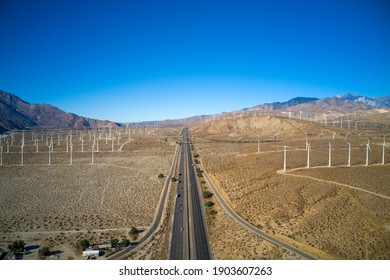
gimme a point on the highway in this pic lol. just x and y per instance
(158, 218)
(179, 250)
(189, 238)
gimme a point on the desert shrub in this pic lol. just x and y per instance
(174, 179)
(17, 246)
(207, 194)
(213, 212)
(84, 243)
(114, 242)
(209, 204)
(133, 231)
(125, 242)
(196, 155)
(43, 252)
(160, 176)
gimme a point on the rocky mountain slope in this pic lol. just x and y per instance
(18, 114)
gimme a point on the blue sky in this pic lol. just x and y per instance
(152, 60)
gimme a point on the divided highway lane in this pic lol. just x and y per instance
(178, 249)
(201, 249)
(189, 235)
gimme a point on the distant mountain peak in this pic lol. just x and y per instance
(377, 102)
(15, 113)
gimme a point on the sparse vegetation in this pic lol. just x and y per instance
(17, 246)
(207, 194)
(125, 242)
(43, 252)
(114, 242)
(161, 176)
(209, 204)
(84, 244)
(133, 231)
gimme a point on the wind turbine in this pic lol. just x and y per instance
(383, 150)
(93, 149)
(1, 156)
(258, 143)
(112, 145)
(330, 155)
(308, 147)
(349, 154)
(367, 148)
(82, 145)
(334, 135)
(71, 155)
(285, 157)
(21, 152)
(49, 155)
(36, 144)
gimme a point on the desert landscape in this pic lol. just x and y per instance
(337, 212)
(74, 198)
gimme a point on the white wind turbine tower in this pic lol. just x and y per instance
(308, 147)
(71, 155)
(285, 157)
(112, 144)
(258, 143)
(82, 145)
(367, 148)
(93, 149)
(330, 155)
(306, 143)
(21, 152)
(7, 146)
(51, 145)
(37, 145)
(334, 135)
(1, 155)
(383, 150)
(49, 155)
(349, 154)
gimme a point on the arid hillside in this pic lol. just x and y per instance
(337, 212)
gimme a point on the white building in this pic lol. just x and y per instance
(91, 253)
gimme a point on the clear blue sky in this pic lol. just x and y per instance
(151, 60)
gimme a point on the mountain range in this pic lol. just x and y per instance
(18, 114)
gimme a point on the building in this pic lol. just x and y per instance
(91, 253)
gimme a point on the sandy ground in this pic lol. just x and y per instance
(327, 219)
(59, 204)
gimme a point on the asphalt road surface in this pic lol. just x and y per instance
(189, 238)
